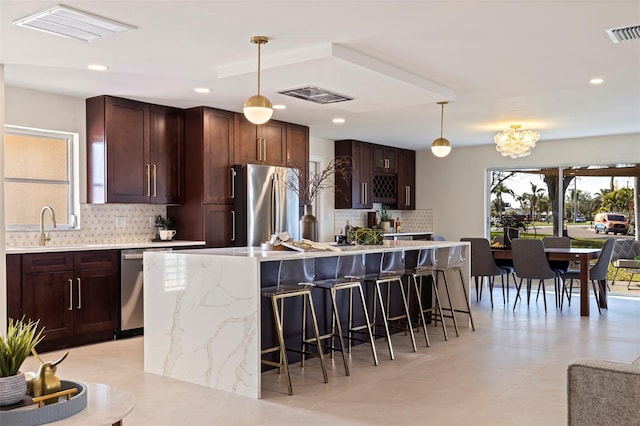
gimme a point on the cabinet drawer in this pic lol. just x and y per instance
(95, 259)
(47, 262)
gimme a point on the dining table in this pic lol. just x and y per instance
(581, 255)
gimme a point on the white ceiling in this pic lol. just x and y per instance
(498, 62)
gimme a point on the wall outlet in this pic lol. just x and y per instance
(152, 222)
(121, 221)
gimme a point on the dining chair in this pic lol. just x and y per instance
(597, 273)
(530, 263)
(483, 265)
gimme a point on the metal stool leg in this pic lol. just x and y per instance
(283, 352)
(336, 320)
(408, 314)
(317, 335)
(446, 287)
(420, 309)
(366, 316)
(466, 299)
(384, 318)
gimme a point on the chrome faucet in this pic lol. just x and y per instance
(43, 237)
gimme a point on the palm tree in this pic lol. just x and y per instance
(535, 197)
(499, 190)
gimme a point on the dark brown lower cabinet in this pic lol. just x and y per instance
(73, 294)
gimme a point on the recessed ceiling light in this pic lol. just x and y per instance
(202, 90)
(96, 67)
(339, 120)
(279, 107)
(596, 80)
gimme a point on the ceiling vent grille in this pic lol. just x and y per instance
(316, 94)
(67, 22)
(619, 35)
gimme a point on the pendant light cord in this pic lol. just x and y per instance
(441, 119)
(259, 46)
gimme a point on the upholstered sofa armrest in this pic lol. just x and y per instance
(603, 392)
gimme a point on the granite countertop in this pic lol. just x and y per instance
(102, 246)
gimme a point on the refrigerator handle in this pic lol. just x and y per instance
(275, 211)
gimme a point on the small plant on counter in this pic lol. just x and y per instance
(385, 216)
(163, 222)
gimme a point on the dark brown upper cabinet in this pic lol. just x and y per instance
(384, 159)
(406, 180)
(260, 144)
(135, 152)
(356, 192)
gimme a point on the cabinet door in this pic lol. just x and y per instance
(263, 144)
(364, 167)
(48, 297)
(218, 156)
(166, 155)
(247, 148)
(274, 139)
(406, 180)
(14, 286)
(126, 137)
(220, 226)
(298, 149)
(95, 304)
(384, 159)
(357, 191)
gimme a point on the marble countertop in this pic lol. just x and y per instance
(271, 255)
(102, 246)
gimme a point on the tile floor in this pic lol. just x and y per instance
(512, 370)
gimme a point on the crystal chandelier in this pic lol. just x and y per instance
(515, 144)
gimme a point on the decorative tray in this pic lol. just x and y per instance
(26, 413)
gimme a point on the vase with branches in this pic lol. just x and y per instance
(309, 189)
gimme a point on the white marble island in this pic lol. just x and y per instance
(202, 311)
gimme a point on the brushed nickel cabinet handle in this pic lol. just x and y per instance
(79, 294)
(362, 195)
(407, 196)
(148, 167)
(155, 181)
(70, 308)
(259, 148)
(264, 149)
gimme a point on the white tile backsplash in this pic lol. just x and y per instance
(100, 223)
(411, 220)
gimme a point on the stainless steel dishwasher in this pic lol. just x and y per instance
(131, 294)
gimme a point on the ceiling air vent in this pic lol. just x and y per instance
(316, 94)
(67, 22)
(618, 35)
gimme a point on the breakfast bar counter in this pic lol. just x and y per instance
(202, 310)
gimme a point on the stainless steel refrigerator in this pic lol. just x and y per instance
(263, 203)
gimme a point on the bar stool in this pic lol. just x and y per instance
(425, 268)
(349, 271)
(451, 259)
(390, 272)
(294, 280)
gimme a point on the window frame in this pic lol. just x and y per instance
(72, 181)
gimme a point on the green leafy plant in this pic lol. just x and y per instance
(163, 222)
(16, 346)
(384, 214)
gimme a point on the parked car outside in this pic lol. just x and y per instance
(611, 222)
(581, 219)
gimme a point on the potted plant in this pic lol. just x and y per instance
(21, 337)
(385, 218)
(163, 222)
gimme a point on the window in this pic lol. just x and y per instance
(40, 168)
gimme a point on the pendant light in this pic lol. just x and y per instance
(441, 147)
(258, 108)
